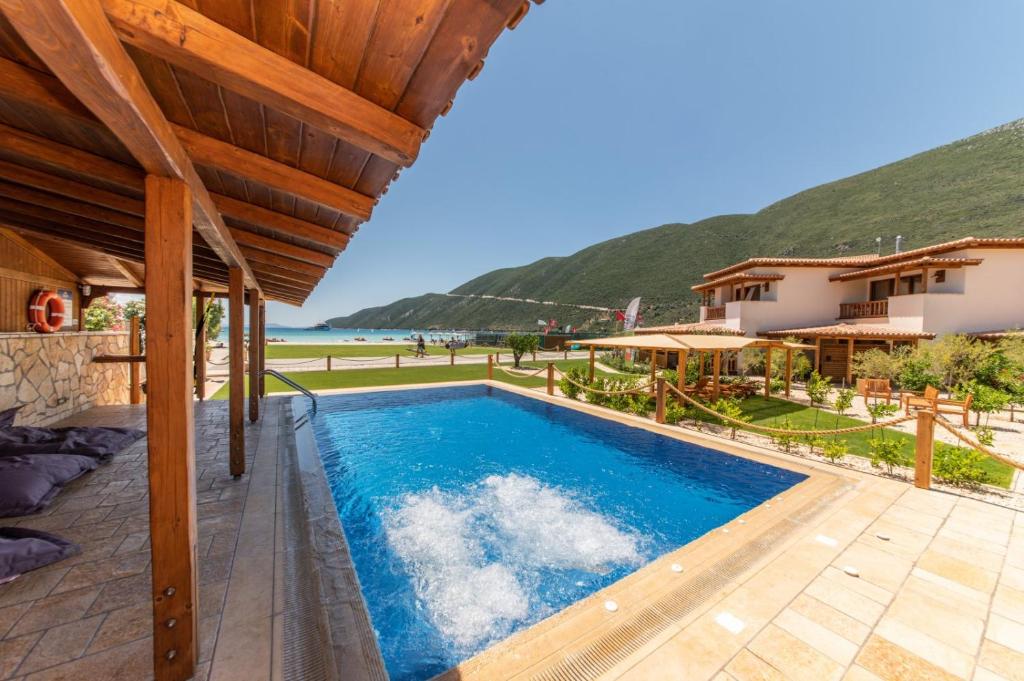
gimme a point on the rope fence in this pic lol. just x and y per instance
(643, 389)
(973, 442)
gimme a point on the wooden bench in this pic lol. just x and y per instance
(874, 387)
(931, 400)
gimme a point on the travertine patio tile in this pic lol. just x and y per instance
(924, 501)
(982, 674)
(1001, 660)
(862, 586)
(22, 590)
(1013, 577)
(968, 552)
(835, 621)
(974, 540)
(818, 637)
(60, 644)
(942, 621)
(912, 520)
(858, 673)
(954, 600)
(1009, 602)
(951, 585)
(901, 541)
(131, 662)
(876, 566)
(123, 626)
(747, 666)
(958, 570)
(97, 572)
(1006, 632)
(927, 648)
(794, 658)
(9, 616)
(13, 651)
(890, 662)
(845, 600)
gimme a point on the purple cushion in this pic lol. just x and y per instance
(7, 417)
(87, 441)
(22, 549)
(29, 483)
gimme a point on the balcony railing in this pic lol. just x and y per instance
(714, 313)
(870, 308)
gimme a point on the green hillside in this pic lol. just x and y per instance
(973, 187)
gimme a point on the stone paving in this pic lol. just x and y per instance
(89, 617)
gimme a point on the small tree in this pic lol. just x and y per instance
(785, 441)
(819, 388)
(887, 452)
(844, 400)
(958, 357)
(730, 408)
(918, 368)
(881, 410)
(835, 449)
(876, 363)
(986, 399)
(522, 343)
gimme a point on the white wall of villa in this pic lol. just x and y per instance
(984, 297)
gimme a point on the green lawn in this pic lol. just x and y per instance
(290, 351)
(362, 378)
(770, 412)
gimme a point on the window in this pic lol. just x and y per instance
(940, 276)
(882, 289)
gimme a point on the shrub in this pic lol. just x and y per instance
(818, 388)
(784, 441)
(876, 363)
(730, 408)
(917, 368)
(958, 466)
(985, 435)
(816, 442)
(777, 386)
(844, 400)
(886, 452)
(569, 389)
(835, 449)
(674, 412)
(987, 399)
(881, 410)
(618, 362)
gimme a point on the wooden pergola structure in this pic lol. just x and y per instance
(701, 345)
(216, 148)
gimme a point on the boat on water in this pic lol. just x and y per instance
(320, 326)
(388, 338)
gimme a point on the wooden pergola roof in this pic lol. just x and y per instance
(689, 342)
(288, 120)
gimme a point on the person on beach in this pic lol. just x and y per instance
(421, 347)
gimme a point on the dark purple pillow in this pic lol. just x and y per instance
(29, 483)
(7, 416)
(22, 549)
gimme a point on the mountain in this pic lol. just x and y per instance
(972, 187)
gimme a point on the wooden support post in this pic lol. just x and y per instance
(817, 354)
(849, 361)
(328, 362)
(659, 410)
(254, 357)
(789, 370)
(134, 370)
(263, 347)
(767, 372)
(171, 428)
(236, 372)
(681, 371)
(590, 373)
(551, 378)
(924, 449)
(924, 280)
(716, 371)
(200, 348)
(654, 367)
(534, 355)
(397, 360)
(490, 367)
(451, 360)
(700, 366)
(565, 352)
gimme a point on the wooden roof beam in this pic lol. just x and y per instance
(25, 146)
(188, 39)
(77, 43)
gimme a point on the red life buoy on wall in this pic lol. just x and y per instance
(46, 312)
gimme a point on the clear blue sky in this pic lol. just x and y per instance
(597, 118)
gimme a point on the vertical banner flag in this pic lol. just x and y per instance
(632, 311)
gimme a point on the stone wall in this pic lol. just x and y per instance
(53, 376)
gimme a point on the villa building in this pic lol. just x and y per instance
(849, 304)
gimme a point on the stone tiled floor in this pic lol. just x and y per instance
(89, 617)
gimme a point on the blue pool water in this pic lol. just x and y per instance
(472, 512)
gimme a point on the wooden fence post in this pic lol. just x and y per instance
(659, 410)
(767, 372)
(328, 362)
(924, 449)
(565, 355)
(397, 360)
(789, 370)
(551, 378)
(135, 348)
(490, 367)
(452, 360)
(590, 372)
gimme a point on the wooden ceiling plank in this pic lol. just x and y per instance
(65, 187)
(283, 262)
(68, 206)
(223, 156)
(78, 44)
(188, 39)
(130, 276)
(39, 253)
(280, 223)
(340, 36)
(264, 243)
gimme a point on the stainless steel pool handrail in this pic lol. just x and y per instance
(287, 381)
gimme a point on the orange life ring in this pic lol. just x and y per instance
(46, 312)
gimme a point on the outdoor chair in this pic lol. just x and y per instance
(874, 387)
(931, 400)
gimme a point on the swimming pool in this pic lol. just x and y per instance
(472, 512)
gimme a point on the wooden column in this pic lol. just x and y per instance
(134, 370)
(789, 370)
(768, 372)
(328, 362)
(590, 374)
(659, 408)
(681, 370)
(924, 280)
(254, 357)
(700, 366)
(397, 360)
(263, 347)
(716, 371)
(923, 449)
(654, 367)
(200, 346)
(171, 429)
(849, 361)
(490, 367)
(551, 378)
(236, 371)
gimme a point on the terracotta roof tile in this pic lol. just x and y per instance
(848, 331)
(694, 327)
